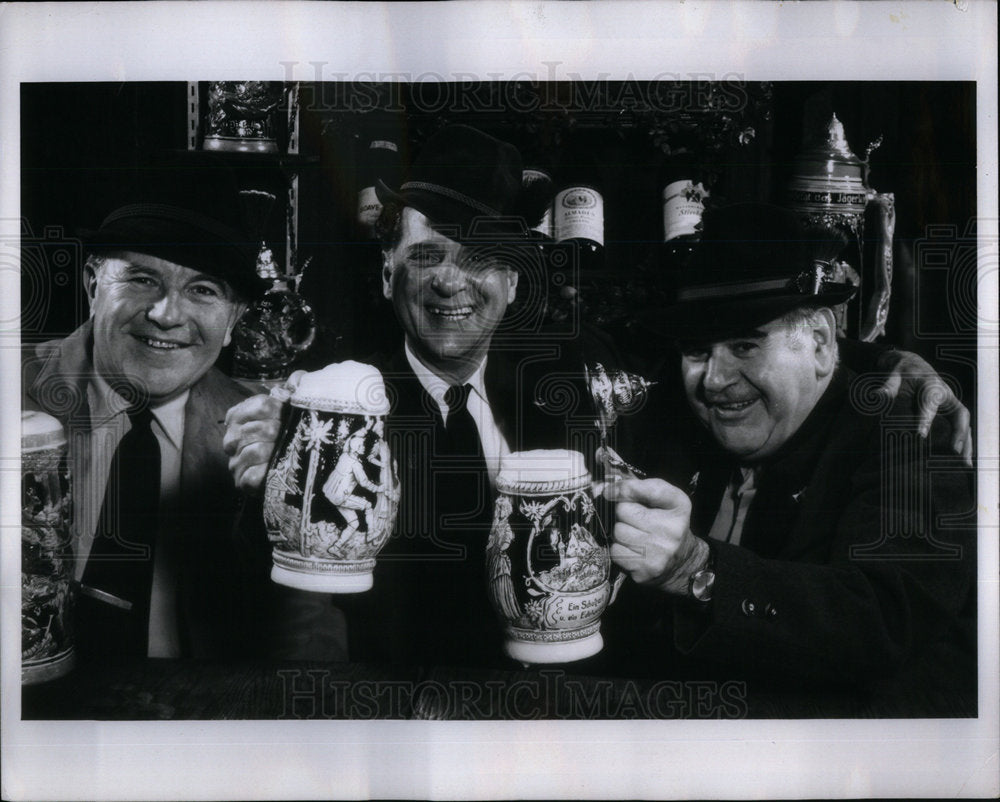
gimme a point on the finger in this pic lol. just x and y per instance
(892, 384)
(653, 493)
(256, 407)
(631, 538)
(931, 396)
(238, 437)
(967, 449)
(961, 426)
(625, 558)
(252, 479)
(253, 455)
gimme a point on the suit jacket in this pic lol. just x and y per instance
(429, 604)
(227, 605)
(856, 568)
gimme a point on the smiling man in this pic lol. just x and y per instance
(456, 244)
(811, 542)
(161, 568)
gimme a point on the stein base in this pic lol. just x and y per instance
(560, 652)
(33, 672)
(322, 583)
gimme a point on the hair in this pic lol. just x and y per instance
(95, 261)
(389, 225)
(803, 317)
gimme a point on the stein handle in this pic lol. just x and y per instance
(615, 469)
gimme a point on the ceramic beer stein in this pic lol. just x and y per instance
(331, 491)
(548, 560)
(46, 554)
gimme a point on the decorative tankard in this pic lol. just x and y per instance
(331, 490)
(548, 560)
(46, 553)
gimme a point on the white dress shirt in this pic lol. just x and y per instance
(494, 445)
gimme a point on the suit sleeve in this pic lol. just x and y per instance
(900, 568)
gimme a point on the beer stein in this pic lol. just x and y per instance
(548, 558)
(46, 554)
(331, 491)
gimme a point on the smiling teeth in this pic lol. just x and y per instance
(465, 311)
(735, 405)
(159, 343)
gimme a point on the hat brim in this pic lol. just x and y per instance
(456, 220)
(228, 259)
(721, 318)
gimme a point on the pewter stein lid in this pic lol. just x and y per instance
(352, 388)
(40, 432)
(542, 472)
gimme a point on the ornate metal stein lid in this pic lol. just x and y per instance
(349, 387)
(830, 154)
(542, 472)
(40, 432)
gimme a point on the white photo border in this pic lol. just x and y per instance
(179, 41)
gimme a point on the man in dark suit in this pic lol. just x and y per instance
(162, 569)
(466, 387)
(464, 391)
(809, 541)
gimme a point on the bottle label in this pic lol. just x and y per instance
(369, 207)
(383, 144)
(683, 206)
(579, 214)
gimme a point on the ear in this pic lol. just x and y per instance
(824, 332)
(90, 284)
(512, 276)
(387, 274)
(237, 312)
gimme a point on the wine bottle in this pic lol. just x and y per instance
(683, 202)
(380, 161)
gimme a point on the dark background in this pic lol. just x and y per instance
(82, 145)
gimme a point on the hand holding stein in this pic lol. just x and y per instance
(548, 563)
(330, 492)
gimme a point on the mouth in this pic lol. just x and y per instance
(457, 313)
(158, 344)
(731, 410)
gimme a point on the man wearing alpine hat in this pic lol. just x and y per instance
(801, 543)
(457, 242)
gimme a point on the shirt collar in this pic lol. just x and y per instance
(106, 403)
(435, 386)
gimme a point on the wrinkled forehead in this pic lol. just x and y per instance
(418, 232)
(168, 271)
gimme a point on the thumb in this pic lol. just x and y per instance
(652, 493)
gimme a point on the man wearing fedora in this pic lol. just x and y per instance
(464, 389)
(456, 245)
(162, 569)
(806, 540)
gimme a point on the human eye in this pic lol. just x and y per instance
(205, 290)
(425, 256)
(694, 353)
(744, 348)
(140, 279)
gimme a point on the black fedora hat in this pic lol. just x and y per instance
(755, 263)
(189, 214)
(469, 185)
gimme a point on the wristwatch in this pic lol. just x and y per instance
(701, 583)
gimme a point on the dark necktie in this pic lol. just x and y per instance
(117, 581)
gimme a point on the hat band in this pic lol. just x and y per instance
(808, 282)
(175, 214)
(451, 193)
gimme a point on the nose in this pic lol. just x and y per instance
(449, 279)
(720, 370)
(166, 311)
